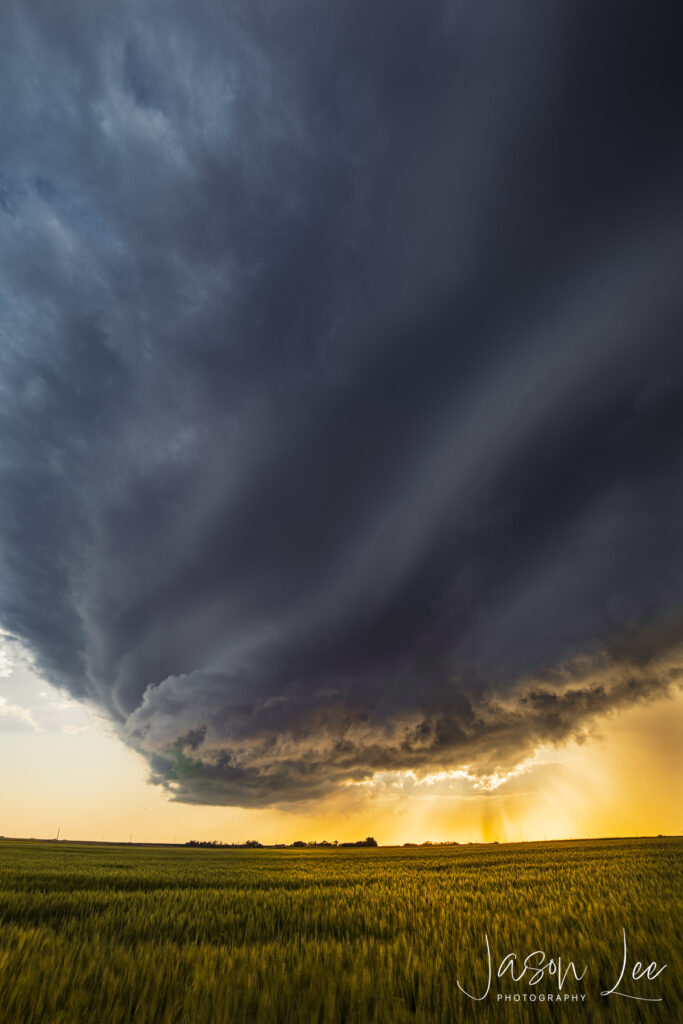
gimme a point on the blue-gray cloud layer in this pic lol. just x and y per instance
(341, 376)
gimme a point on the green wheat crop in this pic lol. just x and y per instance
(95, 934)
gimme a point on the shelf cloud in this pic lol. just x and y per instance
(341, 378)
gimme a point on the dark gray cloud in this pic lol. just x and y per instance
(341, 377)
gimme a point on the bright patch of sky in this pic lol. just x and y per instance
(27, 702)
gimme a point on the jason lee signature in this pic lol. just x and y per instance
(538, 967)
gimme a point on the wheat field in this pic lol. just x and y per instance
(113, 934)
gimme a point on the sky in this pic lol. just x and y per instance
(341, 419)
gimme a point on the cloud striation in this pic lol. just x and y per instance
(341, 377)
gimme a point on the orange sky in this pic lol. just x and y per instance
(62, 768)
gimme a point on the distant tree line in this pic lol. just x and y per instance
(253, 844)
(429, 842)
(368, 841)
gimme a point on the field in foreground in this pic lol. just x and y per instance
(109, 934)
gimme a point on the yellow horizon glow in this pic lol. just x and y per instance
(63, 768)
(621, 781)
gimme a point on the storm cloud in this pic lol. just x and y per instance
(341, 377)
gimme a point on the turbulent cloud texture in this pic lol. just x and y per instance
(341, 377)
